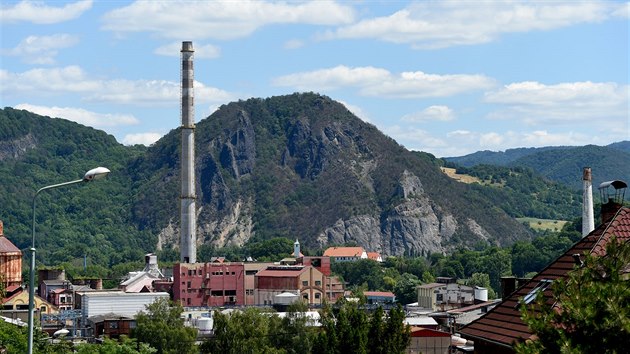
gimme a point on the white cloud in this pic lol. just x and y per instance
(430, 114)
(373, 81)
(293, 44)
(82, 116)
(42, 49)
(565, 103)
(141, 138)
(207, 51)
(416, 139)
(221, 19)
(40, 13)
(449, 23)
(134, 92)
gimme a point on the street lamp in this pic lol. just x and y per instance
(90, 175)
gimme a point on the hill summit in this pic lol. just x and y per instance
(302, 166)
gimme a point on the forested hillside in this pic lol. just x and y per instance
(85, 220)
(560, 164)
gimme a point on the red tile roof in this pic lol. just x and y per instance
(344, 251)
(503, 325)
(7, 247)
(373, 255)
(379, 293)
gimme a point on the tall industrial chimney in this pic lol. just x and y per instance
(588, 220)
(188, 233)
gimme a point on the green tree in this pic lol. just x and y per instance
(590, 311)
(241, 332)
(405, 289)
(124, 345)
(162, 327)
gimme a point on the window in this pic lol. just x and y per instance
(318, 283)
(113, 325)
(305, 283)
(251, 272)
(216, 293)
(188, 284)
(305, 296)
(542, 286)
(318, 295)
(43, 309)
(439, 297)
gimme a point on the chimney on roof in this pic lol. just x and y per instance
(612, 194)
(588, 220)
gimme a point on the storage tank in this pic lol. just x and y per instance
(481, 294)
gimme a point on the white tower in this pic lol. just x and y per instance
(588, 220)
(296, 249)
(188, 237)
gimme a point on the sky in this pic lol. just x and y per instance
(445, 77)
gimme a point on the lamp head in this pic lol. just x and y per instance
(95, 173)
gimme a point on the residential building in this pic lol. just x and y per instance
(209, 284)
(10, 262)
(499, 329)
(375, 256)
(63, 298)
(15, 304)
(345, 254)
(306, 281)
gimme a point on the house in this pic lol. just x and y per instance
(10, 262)
(305, 281)
(15, 304)
(499, 329)
(62, 298)
(379, 297)
(345, 254)
(218, 283)
(375, 256)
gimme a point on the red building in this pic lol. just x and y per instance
(209, 284)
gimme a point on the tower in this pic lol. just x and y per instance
(296, 249)
(588, 220)
(188, 233)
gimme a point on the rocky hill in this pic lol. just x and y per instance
(297, 166)
(302, 166)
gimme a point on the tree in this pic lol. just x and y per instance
(162, 327)
(125, 345)
(589, 311)
(405, 289)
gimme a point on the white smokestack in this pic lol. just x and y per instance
(588, 220)
(188, 236)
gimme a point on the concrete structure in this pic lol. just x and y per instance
(588, 220)
(209, 284)
(188, 231)
(306, 281)
(441, 296)
(345, 254)
(10, 261)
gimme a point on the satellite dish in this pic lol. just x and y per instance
(61, 333)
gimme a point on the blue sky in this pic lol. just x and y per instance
(449, 78)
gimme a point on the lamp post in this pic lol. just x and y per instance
(90, 175)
